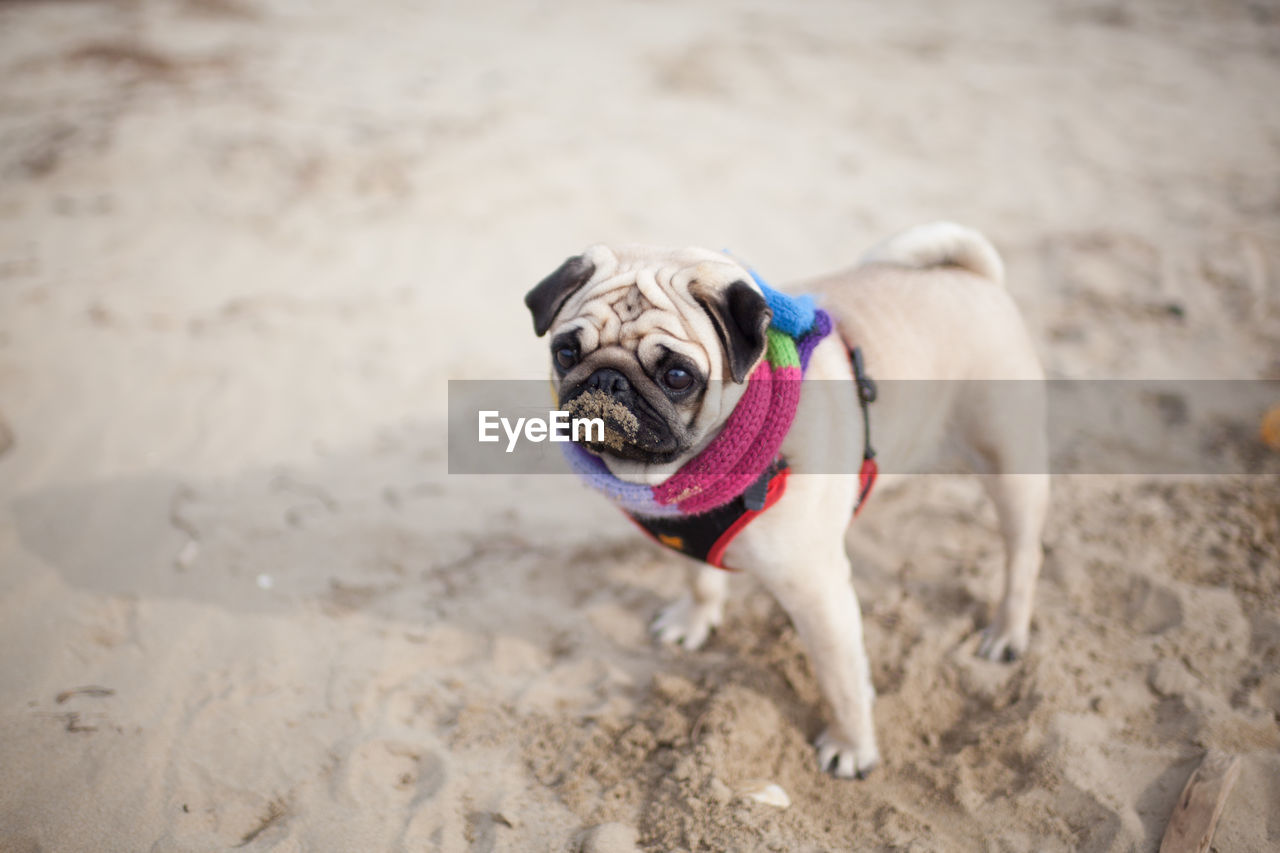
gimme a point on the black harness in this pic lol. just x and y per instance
(706, 536)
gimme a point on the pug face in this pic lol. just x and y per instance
(657, 343)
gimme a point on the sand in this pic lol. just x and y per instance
(244, 245)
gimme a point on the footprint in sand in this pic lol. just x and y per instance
(1145, 606)
(380, 769)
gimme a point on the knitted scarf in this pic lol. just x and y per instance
(751, 437)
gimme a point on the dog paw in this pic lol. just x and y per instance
(1002, 644)
(845, 759)
(686, 623)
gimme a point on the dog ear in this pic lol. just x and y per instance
(546, 300)
(741, 317)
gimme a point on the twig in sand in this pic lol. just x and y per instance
(1196, 816)
(696, 730)
(275, 811)
(87, 690)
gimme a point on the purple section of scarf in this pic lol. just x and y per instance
(820, 329)
(635, 498)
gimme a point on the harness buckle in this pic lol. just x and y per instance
(866, 385)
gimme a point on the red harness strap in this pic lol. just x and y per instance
(777, 487)
(866, 479)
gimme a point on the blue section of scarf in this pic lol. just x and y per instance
(792, 315)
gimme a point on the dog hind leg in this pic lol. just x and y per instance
(1021, 502)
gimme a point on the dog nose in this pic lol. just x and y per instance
(610, 381)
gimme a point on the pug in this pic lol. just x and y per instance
(661, 343)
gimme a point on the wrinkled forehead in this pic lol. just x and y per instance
(639, 299)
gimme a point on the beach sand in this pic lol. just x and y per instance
(244, 245)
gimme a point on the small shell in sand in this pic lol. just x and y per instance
(764, 791)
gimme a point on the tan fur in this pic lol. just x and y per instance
(917, 312)
(937, 245)
(639, 300)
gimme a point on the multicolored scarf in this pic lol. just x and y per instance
(752, 436)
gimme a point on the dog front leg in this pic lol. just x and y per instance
(824, 609)
(689, 620)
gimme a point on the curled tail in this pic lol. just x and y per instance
(940, 244)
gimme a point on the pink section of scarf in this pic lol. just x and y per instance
(749, 442)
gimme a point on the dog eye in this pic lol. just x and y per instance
(677, 379)
(566, 357)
